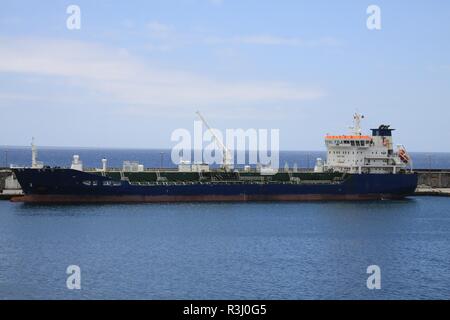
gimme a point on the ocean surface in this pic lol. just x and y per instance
(315, 250)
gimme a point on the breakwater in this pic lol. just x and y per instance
(434, 178)
(433, 182)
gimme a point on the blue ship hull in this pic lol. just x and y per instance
(67, 185)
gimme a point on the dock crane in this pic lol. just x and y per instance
(227, 161)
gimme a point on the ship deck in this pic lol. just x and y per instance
(165, 177)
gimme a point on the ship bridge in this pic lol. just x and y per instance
(359, 153)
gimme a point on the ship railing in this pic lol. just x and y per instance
(171, 169)
(188, 183)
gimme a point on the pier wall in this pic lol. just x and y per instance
(3, 174)
(434, 178)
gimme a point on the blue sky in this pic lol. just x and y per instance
(137, 70)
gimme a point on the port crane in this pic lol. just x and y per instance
(227, 160)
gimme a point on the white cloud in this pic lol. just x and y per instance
(169, 37)
(118, 77)
(166, 38)
(159, 30)
(270, 40)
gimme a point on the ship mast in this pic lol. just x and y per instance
(226, 153)
(33, 154)
(357, 124)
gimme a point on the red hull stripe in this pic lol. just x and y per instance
(197, 198)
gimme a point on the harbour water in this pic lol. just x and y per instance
(317, 250)
(227, 251)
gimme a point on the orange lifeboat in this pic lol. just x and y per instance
(403, 156)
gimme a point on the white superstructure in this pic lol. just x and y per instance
(187, 166)
(77, 164)
(359, 153)
(132, 166)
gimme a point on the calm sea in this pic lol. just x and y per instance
(318, 250)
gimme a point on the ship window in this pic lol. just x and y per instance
(362, 143)
(112, 183)
(357, 143)
(352, 143)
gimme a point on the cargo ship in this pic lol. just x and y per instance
(358, 167)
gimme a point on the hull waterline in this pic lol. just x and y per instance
(200, 198)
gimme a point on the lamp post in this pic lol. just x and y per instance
(161, 160)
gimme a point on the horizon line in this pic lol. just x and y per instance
(166, 148)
